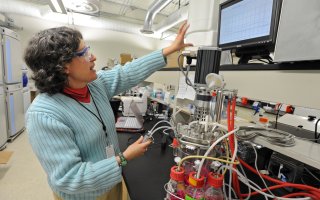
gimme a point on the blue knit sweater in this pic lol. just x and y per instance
(69, 141)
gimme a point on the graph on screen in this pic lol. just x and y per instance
(245, 20)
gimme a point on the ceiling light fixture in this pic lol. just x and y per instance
(57, 6)
(88, 7)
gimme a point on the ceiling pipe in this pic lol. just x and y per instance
(153, 9)
(172, 20)
(29, 9)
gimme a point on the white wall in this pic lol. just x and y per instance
(165, 77)
(299, 88)
(104, 43)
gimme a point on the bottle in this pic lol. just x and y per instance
(214, 189)
(24, 79)
(176, 184)
(175, 146)
(195, 189)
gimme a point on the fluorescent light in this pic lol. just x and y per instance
(57, 6)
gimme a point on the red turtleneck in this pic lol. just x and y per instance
(82, 94)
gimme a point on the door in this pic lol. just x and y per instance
(15, 108)
(3, 120)
(12, 60)
(1, 63)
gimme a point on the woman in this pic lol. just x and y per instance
(70, 124)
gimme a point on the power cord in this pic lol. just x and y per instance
(316, 136)
(273, 136)
(277, 116)
(189, 60)
(314, 176)
(256, 166)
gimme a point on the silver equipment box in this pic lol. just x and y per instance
(298, 37)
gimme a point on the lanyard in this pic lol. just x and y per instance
(99, 118)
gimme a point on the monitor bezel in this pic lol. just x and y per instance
(265, 41)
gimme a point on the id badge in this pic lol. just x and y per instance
(110, 151)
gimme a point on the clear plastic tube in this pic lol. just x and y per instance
(214, 144)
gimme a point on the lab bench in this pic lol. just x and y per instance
(146, 176)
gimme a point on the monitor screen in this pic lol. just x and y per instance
(247, 23)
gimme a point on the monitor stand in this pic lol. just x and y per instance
(250, 53)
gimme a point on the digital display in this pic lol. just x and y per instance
(245, 20)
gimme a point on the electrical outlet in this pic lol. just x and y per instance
(170, 87)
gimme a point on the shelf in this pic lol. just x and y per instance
(267, 111)
(303, 151)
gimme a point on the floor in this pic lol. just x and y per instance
(23, 177)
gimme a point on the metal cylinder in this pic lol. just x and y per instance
(218, 107)
(202, 102)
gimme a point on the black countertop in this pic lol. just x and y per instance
(146, 176)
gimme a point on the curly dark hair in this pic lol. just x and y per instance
(46, 55)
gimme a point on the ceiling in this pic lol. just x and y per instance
(122, 11)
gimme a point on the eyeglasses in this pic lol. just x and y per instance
(84, 52)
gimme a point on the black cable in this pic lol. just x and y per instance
(276, 125)
(231, 57)
(270, 60)
(316, 136)
(188, 69)
(313, 176)
(302, 180)
(188, 82)
(264, 61)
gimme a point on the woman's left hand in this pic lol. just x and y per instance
(178, 43)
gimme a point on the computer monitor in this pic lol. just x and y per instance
(249, 27)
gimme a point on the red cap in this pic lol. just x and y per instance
(244, 100)
(263, 119)
(175, 143)
(215, 180)
(196, 182)
(177, 175)
(289, 109)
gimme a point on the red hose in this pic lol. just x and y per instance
(233, 111)
(314, 190)
(315, 193)
(277, 187)
(264, 176)
(230, 121)
(301, 194)
(235, 180)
